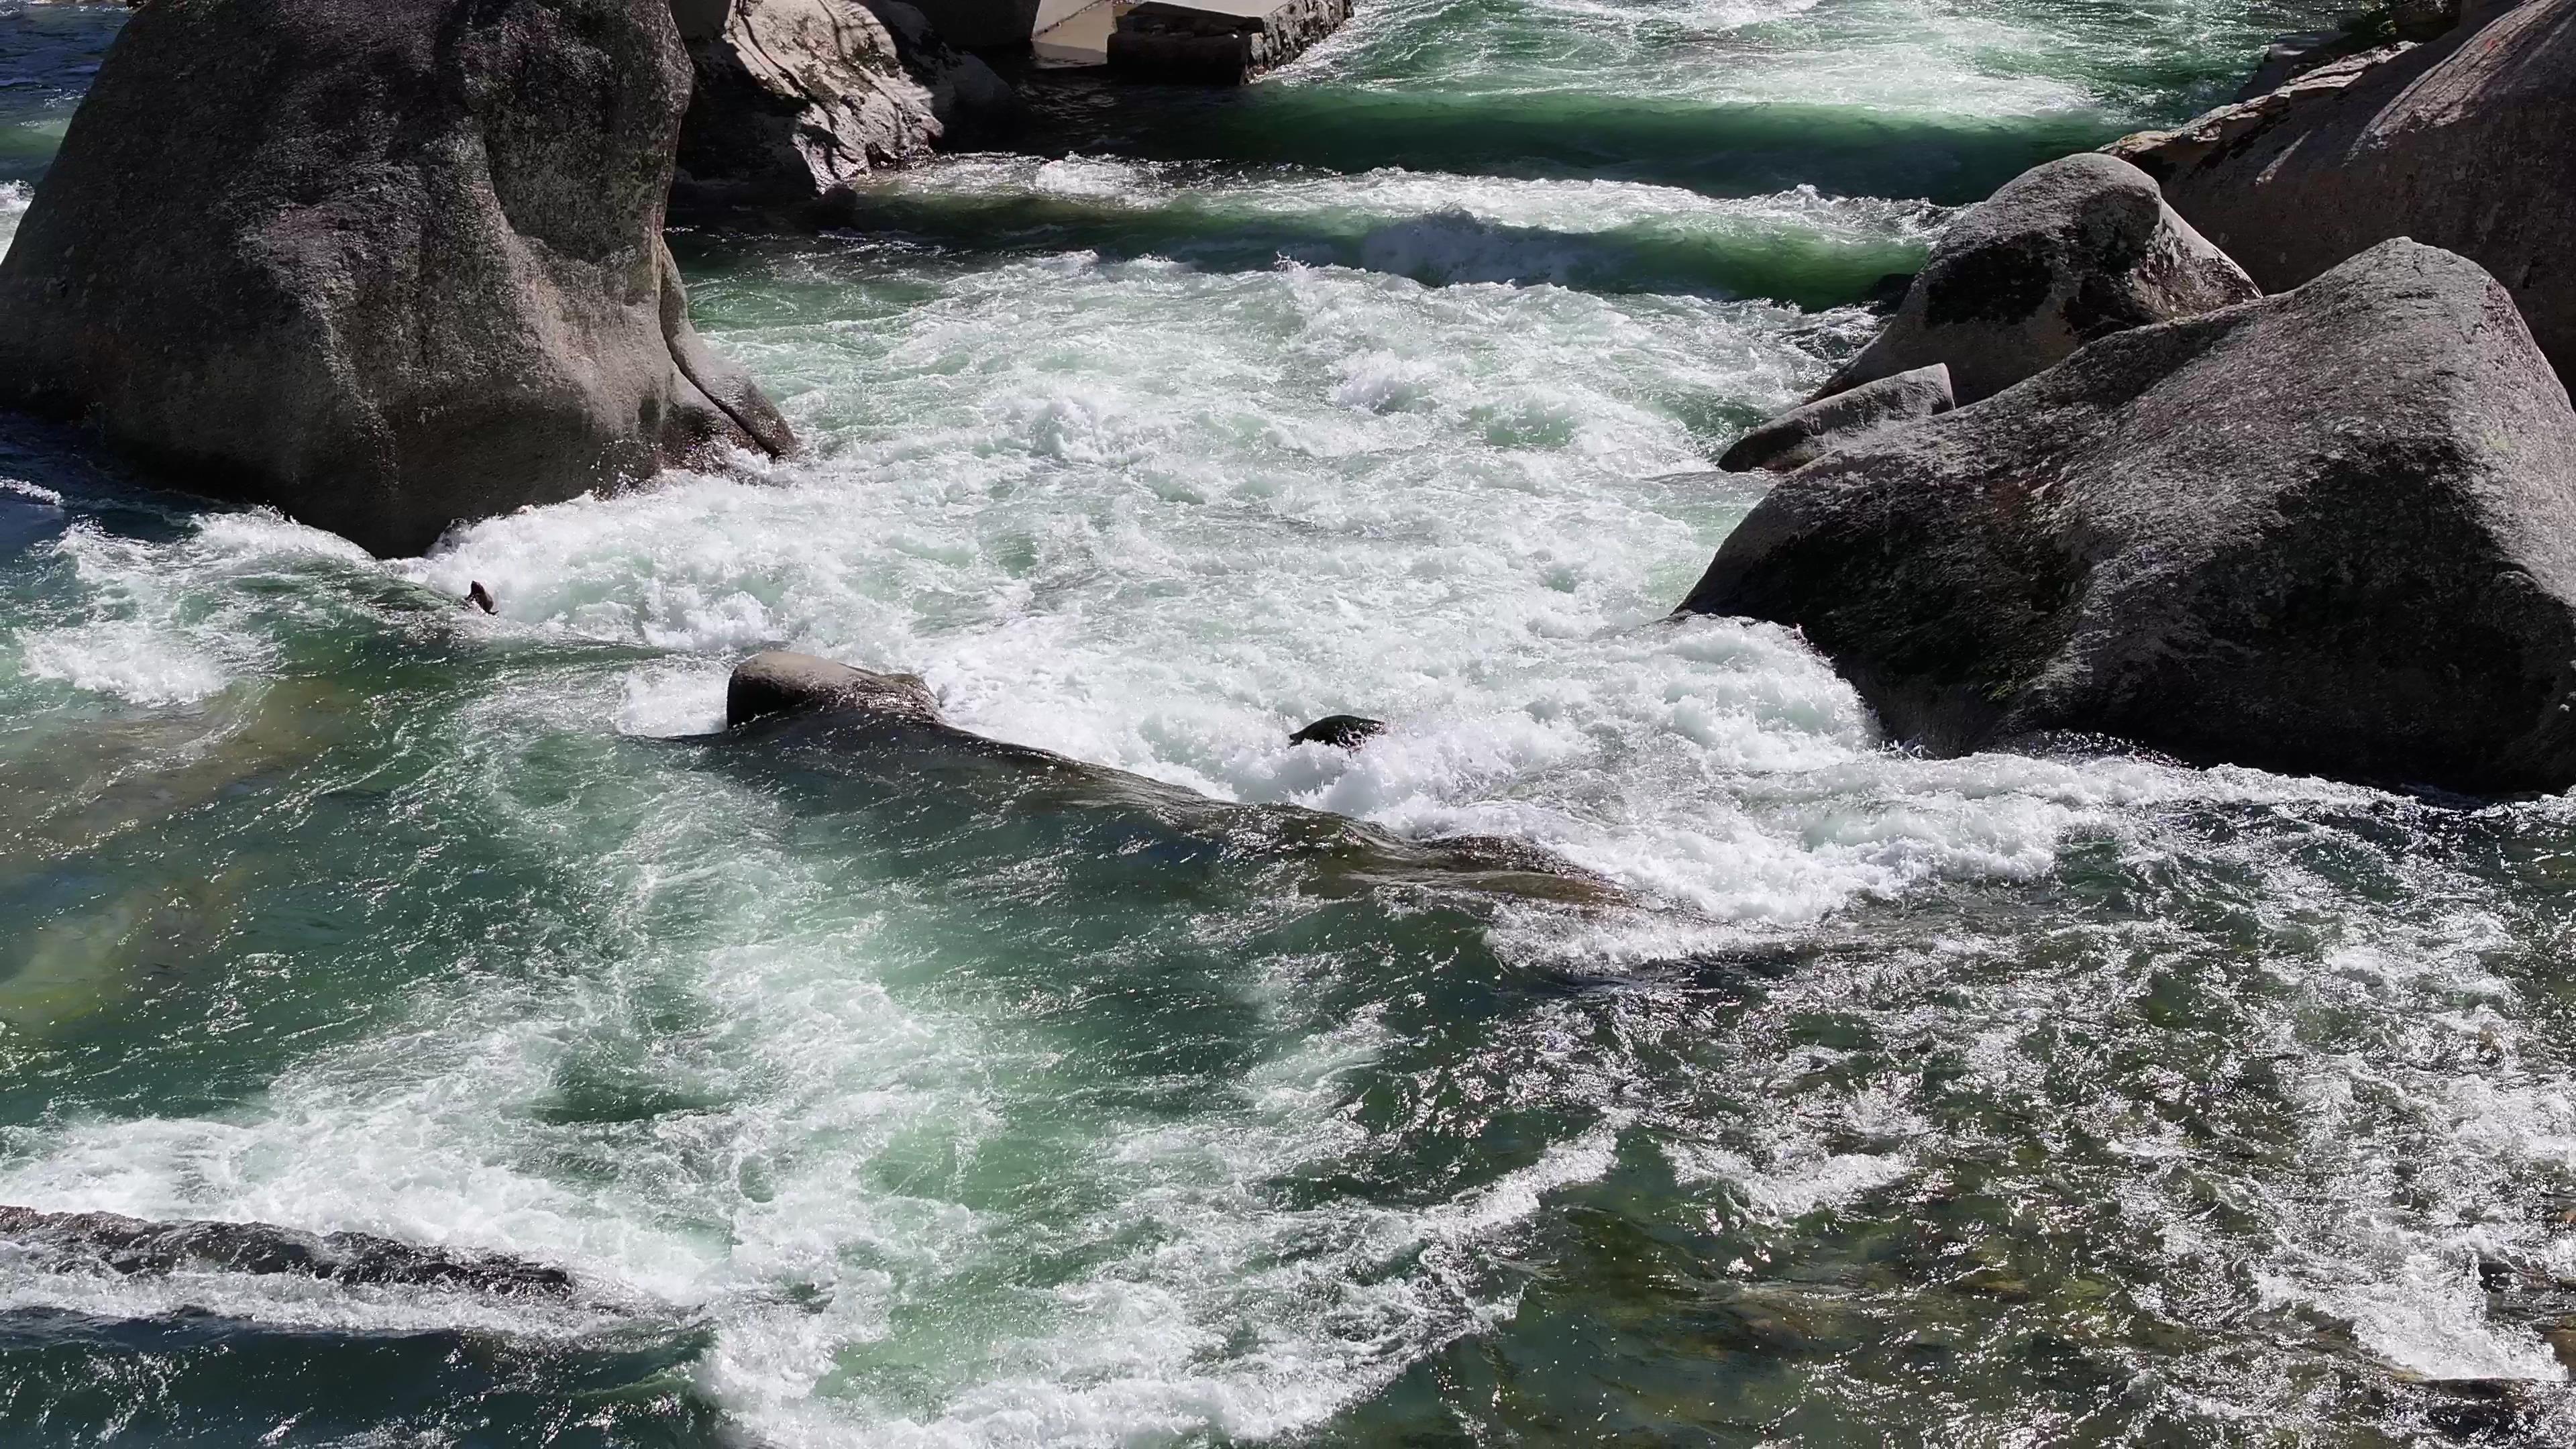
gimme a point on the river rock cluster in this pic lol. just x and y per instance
(2331, 529)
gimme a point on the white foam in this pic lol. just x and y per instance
(816, 1075)
(1889, 55)
(1442, 228)
(129, 659)
(15, 196)
(161, 624)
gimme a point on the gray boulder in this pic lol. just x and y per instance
(2331, 531)
(1804, 433)
(798, 99)
(2076, 249)
(385, 267)
(2466, 143)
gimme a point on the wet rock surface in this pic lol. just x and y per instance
(2333, 531)
(1341, 731)
(803, 704)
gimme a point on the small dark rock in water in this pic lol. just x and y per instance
(72, 1241)
(2331, 532)
(481, 598)
(1807, 432)
(2065, 253)
(1341, 731)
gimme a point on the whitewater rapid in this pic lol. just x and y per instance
(893, 1117)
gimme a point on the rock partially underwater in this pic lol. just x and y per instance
(1340, 731)
(798, 702)
(382, 266)
(74, 1242)
(2064, 253)
(2330, 531)
(2467, 143)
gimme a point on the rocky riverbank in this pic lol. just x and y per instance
(2329, 530)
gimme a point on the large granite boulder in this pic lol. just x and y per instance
(2076, 249)
(1803, 434)
(2466, 143)
(2330, 531)
(382, 265)
(797, 99)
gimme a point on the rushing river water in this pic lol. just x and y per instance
(2001, 1100)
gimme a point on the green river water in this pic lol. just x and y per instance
(1993, 1101)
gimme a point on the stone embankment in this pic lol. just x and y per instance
(2329, 530)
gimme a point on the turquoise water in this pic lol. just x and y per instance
(2003, 1100)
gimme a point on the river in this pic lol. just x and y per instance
(1991, 1101)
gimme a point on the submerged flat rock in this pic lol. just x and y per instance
(891, 719)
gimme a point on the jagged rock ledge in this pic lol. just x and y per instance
(2465, 142)
(797, 100)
